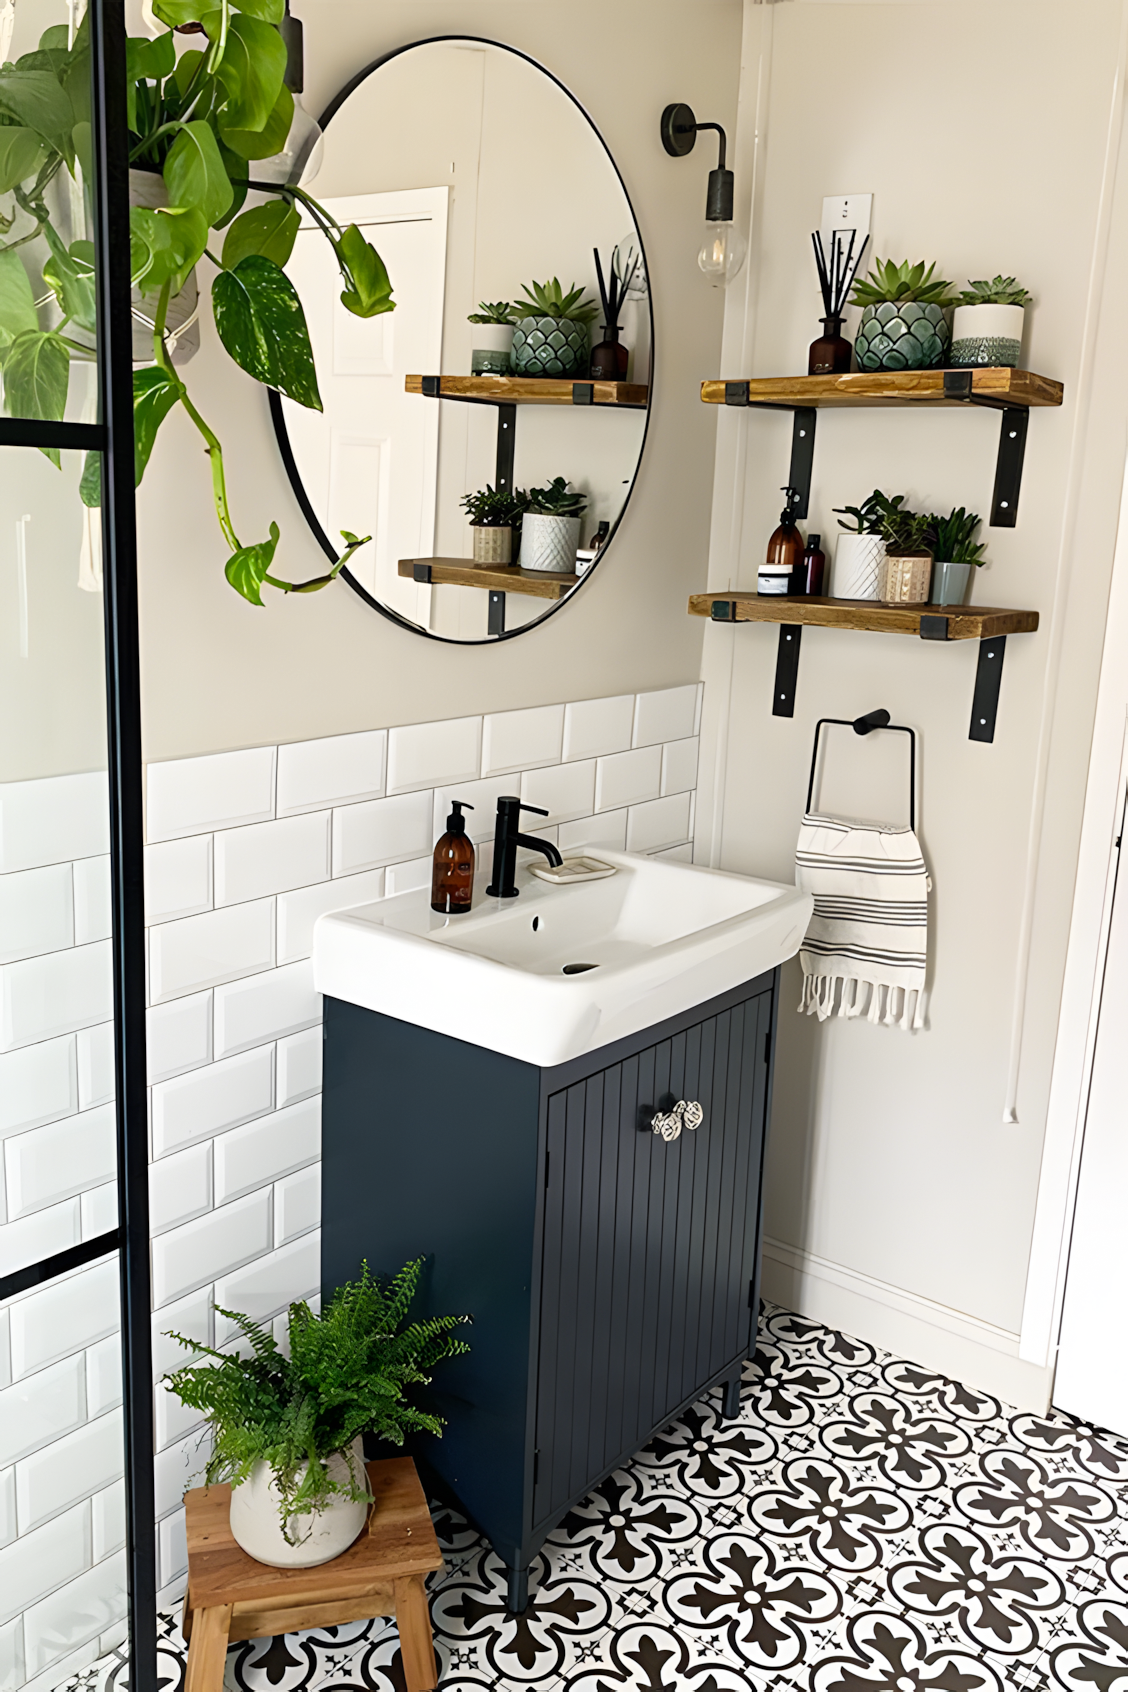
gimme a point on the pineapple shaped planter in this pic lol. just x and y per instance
(904, 318)
(551, 336)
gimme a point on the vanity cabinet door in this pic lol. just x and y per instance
(649, 1245)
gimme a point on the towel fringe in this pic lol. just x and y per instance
(850, 996)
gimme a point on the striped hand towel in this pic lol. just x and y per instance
(867, 944)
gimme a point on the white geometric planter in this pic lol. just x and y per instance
(549, 543)
(858, 561)
(256, 1523)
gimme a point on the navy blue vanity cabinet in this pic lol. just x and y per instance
(612, 1274)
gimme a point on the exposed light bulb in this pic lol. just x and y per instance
(300, 158)
(723, 253)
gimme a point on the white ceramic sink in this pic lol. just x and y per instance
(665, 936)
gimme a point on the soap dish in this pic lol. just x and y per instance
(574, 869)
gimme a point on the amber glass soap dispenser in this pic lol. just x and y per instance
(452, 878)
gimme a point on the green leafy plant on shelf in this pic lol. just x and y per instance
(953, 538)
(548, 299)
(906, 531)
(493, 311)
(896, 282)
(1003, 290)
(199, 118)
(493, 508)
(869, 517)
(346, 1374)
(556, 500)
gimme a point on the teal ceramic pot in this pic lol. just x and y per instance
(902, 336)
(950, 583)
(550, 346)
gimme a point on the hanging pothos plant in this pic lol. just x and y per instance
(199, 117)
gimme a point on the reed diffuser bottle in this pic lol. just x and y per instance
(831, 353)
(609, 357)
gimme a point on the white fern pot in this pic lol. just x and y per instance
(256, 1519)
(147, 188)
(858, 561)
(987, 334)
(549, 543)
(493, 347)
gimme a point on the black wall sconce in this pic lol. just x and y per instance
(725, 247)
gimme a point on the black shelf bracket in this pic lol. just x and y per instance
(420, 572)
(787, 669)
(958, 385)
(988, 680)
(802, 440)
(506, 444)
(496, 617)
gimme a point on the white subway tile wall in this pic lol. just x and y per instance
(246, 850)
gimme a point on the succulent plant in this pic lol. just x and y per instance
(493, 508)
(871, 514)
(556, 500)
(548, 299)
(897, 282)
(952, 537)
(493, 311)
(1003, 290)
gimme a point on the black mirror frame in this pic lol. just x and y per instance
(278, 418)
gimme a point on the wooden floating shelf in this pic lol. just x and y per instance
(498, 578)
(531, 390)
(989, 385)
(962, 622)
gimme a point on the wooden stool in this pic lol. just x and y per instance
(231, 1597)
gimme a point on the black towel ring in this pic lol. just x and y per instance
(865, 725)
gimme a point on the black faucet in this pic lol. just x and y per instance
(507, 838)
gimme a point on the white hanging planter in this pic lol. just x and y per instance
(147, 188)
(256, 1516)
(858, 561)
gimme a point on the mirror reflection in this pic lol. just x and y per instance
(487, 432)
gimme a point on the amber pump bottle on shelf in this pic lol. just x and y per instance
(452, 878)
(780, 568)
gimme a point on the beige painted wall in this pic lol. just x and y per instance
(218, 673)
(891, 1162)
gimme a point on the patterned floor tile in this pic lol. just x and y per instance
(863, 1525)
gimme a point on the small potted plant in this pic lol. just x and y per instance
(956, 553)
(907, 571)
(859, 555)
(988, 321)
(493, 338)
(550, 528)
(494, 514)
(551, 331)
(904, 324)
(287, 1429)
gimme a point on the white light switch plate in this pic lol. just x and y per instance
(845, 212)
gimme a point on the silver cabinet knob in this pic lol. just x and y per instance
(687, 1113)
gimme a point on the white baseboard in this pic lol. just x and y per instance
(962, 1347)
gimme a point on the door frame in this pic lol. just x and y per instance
(1106, 787)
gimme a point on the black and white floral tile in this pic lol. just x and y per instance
(865, 1526)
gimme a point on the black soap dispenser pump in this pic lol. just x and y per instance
(452, 877)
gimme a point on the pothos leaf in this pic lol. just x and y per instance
(90, 482)
(246, 568)
(17, 303)
(146, 61)
(154, 395)
(21, 154)
(194, 173)
(371, 291)
(262, 325)
(251, 71)
(270, 11)
(36, 374)
(269, 230)
(164, 245)
(270, 139)
(35, 99)
(71, 275)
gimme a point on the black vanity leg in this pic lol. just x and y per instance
(518, 1590)
(730, 1401)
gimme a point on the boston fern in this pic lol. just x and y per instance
(345, 1375)
(198, 118)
